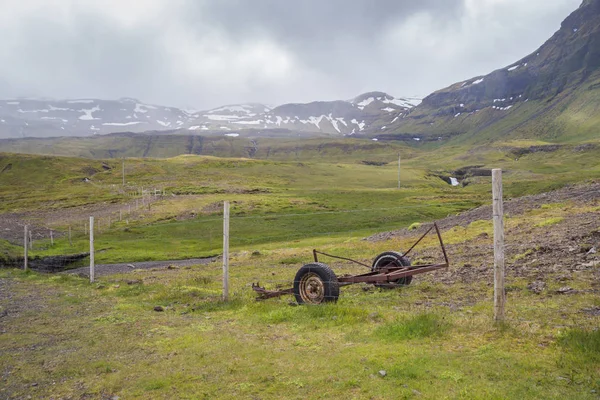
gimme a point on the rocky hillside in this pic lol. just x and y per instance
(532, 97)
(368, 113)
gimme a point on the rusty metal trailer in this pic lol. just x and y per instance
(316, 283)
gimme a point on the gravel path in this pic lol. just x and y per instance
(108, 269)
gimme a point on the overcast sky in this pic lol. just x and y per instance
(206, 53)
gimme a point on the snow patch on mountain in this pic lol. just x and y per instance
(122, 123)
(81, 101)
(88, 113)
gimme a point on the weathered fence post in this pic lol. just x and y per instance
(51, 238)
(25, 246)
(398, 170)
(92, 250)
(226, 250)
(498, 212)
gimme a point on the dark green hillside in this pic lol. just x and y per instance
(552, 94)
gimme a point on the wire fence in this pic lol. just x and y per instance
(128, 234)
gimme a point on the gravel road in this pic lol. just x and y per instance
(108, 269)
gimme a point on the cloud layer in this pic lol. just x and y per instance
(207, 53)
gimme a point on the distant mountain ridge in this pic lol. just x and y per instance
(84, 117)
(365, 114)
(21, 118)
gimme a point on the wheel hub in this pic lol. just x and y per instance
(312, 289)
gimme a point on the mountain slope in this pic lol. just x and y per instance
(533, 97)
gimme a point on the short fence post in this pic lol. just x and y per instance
(226, 250)
(51, 238)
(498, 212)
(92, 250)
(398, 170)
(25, 245)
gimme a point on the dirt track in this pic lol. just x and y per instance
(108, 269)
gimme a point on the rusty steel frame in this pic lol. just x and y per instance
(383, 277)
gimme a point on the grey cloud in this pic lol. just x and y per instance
(308, 22)
(336, 49)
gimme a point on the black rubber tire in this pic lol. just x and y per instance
(320, 275)
(392, 257)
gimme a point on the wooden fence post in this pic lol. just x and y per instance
(498, 212)
(26, 246)
(226, 250)
(398, 170)
(92, 250)
(51, 238)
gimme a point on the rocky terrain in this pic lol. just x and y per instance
(537, 252)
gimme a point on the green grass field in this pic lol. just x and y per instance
(273, 202)
(62, 337)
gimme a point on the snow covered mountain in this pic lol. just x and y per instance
(84, 117)
(369, 112)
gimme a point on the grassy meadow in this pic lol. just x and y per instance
(62, 337)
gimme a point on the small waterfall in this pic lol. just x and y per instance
(454, 181)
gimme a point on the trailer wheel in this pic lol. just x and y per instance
(397, 260)
(316, 283)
